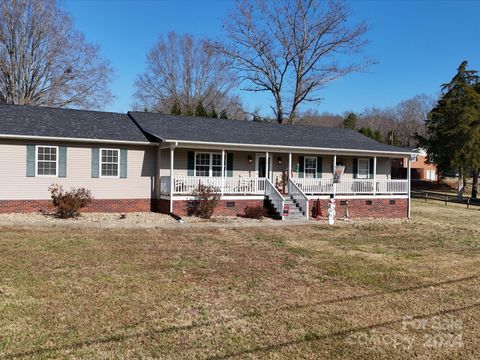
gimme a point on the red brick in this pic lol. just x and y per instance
(180, 207)
(358, 208)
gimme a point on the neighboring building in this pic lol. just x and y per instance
(151, 162)
(420, 169)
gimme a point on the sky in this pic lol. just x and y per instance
(417, 45)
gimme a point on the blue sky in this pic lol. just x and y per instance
(418, 45)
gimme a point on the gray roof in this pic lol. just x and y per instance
(182, 128)
(22, 120)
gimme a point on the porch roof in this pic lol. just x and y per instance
(174, 128)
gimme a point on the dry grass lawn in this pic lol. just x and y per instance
(292, 292)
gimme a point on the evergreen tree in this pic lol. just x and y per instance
(224, 114)
(453, 131)
(200, 110)
(176, 109)
(373, 134)
(213, 112)
(350, 122)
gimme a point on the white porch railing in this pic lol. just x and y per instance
(275, 197)
(351, 186)
(185, 185)
(298, 195)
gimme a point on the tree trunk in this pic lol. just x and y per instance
(460, 185)
(475, 184)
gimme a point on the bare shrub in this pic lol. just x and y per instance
(205, 201)
(68, 203)
(255, 212)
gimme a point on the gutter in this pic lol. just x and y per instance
(291, 148)
(79, 140)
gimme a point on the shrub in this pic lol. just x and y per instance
(68, 203)
(255, 212)
(205, 202)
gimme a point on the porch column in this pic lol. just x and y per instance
(333, 173)
(172, 155)
(223, 171)
(374, 175)
(266, 166)
(289, 165)
(409, 187)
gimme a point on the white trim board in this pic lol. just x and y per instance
(226, 197)
(353, 197)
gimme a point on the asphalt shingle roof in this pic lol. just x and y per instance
(182, 128)
(24, 120)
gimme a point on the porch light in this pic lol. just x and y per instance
(279, 160)
(250, 160)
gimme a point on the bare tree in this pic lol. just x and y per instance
(291, 48)
(411, 117)
(44, 61)
(184, 72)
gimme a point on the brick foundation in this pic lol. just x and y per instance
(359, 208)
(180, 207)
(98, 205)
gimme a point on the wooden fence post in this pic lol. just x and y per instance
(446, 199)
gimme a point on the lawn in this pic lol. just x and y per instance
(367, 290)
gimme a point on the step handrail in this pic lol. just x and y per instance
(278, 201)
(299, 196)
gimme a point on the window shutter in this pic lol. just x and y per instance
(371, 168)
(229, 164)
(30, 160)
(190, 163)
(62, 161)
(123, 163)
(95, 162)
(301, 163)
(355, 168)
(319, 167)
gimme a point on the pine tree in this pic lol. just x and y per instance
(373, 134)
(213, 112)
(176, 109)
(350, 122)
(224, 114)
(200, 110)
(453, 130)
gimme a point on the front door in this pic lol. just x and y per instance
(262, 168)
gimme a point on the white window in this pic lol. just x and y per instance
(310, 167)
(363, 171)
(109, 162)
(47, 160)
(208, 164)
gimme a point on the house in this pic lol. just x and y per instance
(420, 169)
(151, 162)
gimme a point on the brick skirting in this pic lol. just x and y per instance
(98, 205)
(365, 208)
(224, 207)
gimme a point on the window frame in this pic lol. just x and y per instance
(305, 167)
(100, 163)
(367, 175)
(56, 160)
(210, 164)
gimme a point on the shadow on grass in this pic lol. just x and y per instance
(314, 337)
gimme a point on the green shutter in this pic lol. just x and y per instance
(123, 163)
(62, 161)
(371, 168)
(95, 162)
(30, 160)
(301, 162)
(229, 164)
(190, 163)
(319, 167)
(355, 168)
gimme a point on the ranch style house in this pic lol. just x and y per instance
(143, 161)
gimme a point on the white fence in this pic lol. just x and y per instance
(351, 186)
(185, 185)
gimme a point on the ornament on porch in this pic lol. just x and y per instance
(331, 210)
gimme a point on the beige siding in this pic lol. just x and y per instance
(14, 184)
